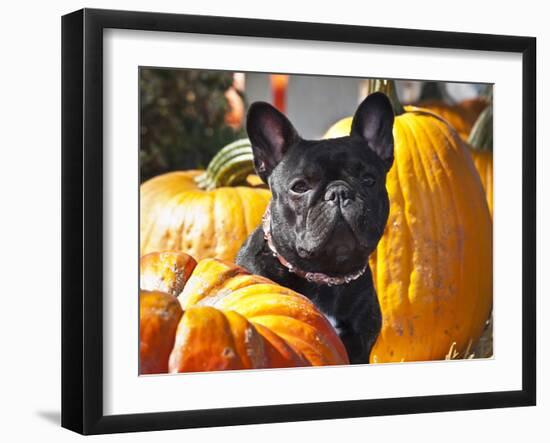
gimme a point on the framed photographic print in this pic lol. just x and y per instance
(271, 221)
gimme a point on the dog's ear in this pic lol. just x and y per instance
(271, 134)
(373, 121)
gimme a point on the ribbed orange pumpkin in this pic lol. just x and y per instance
(481, 148)
(199, 212)
(433, 267)
(231, 319)
(159, 315)
(460, 116)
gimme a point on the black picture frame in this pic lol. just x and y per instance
(82, 218)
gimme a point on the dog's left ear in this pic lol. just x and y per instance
(271, 135)
(373, 121)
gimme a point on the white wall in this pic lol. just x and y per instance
(331, 98)
(30, 234)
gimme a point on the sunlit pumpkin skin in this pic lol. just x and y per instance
(235, 320)
(460, 116)
(483, 161)
(177, 215)
(165, 271)
(433, 266)
(159, 315)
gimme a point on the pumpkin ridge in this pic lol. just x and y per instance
(424, 252)
(249, 345)
(327, 346)
(468, 323)
(210, 228)
(453, 213)
(168, 214)
(228, 221)
(483, 162)
(150, 192)
(474, 304)
(471, 321)
(404, 254)
(165, 271)
(450, 191)
(243, 210)
(218, 219)
(303, 356)
(179, 229)
(144, 240)
(310, 318)
(179, 357)
(437, 317)
(177, 214)
(230, 328)
(489, 184)
(161, 218)
(308, 352)
(403, 202)
(407, 296)
(285, 306)
(264, 289)
(157, 332)
(432, 251)
(253, 206)
(145, 196)
(288, 355)
(212, 290)
(483, 206)
(245, 222)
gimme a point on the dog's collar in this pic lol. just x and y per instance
(314, 277)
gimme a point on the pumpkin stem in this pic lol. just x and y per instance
(435, 91)
(388, 88)
(229, 167)
(481, 136)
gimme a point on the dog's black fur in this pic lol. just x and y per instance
(328, 212)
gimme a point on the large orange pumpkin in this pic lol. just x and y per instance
(481, 148)
(226, 319)
(433, 266)
(203, 213)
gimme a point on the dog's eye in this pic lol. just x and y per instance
(300, 187)
(368, 180)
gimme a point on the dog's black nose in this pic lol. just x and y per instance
(339, 193)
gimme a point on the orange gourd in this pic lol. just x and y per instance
(203, 213)
(481, 148)
(230, 319)
(159, 315)
(433, 266)
(461, 116)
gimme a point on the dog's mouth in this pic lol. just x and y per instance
(335, 250)
(335, 261)
(340, 239)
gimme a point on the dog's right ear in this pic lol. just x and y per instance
(373, 121)
(271, 135)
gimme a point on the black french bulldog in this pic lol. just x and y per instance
(328, 211)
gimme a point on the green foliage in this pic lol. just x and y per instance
(182, 116)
